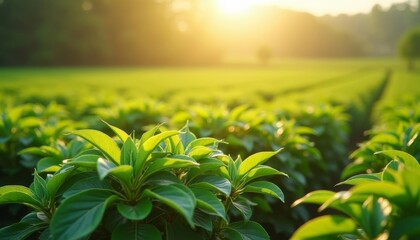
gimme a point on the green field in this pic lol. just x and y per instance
(230, 118)
(247, 83)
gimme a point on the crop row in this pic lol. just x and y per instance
(121, 177)
(384, 195)
(314, 141)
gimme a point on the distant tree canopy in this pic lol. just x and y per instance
(380, 30)
(156, 32)
(100, 32)
(409, 46)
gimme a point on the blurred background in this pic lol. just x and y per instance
(196, 32)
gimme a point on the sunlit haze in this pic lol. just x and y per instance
(316, 7)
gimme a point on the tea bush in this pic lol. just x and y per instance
(383, 205)
(162, 185)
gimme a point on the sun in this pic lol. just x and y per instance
(234, 7)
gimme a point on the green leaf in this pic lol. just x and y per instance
(242, 205)
(325, 227)
(39, 187)
(120, 133)
(203, 220)
(136, 231)
(22, 230)
(265, 187)
(57, 181)
(186, 136)
(374, 216)
(176, 161)
(82, 184)
(176, 196)
(254, 160)
(205, 141)
(162, 178)
(148, 146)
(317, 197)
(199, 152)
(136, 212)
(85, 160)
(123, 172)
(104, 167)
(48, 164)
(206, 164)
(404, 157)
(246, 230)
(148, 134)
(80, 214)
(362, 178)
(209, 203)
(102, 141)
(390, 191)
(128, 152)
(18, 194)
(212, 182)
(262, 171)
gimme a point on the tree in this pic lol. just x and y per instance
(264, 54)
(409, 46)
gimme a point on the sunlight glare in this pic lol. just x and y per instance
(235, 7)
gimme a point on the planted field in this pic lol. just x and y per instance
(239, 145)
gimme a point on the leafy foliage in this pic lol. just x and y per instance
(373, 208)
(143, 186)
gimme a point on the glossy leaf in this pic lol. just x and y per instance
(186, 136)
(148, 146)
(85, 160)
(325, 227)
(242, 205)
(362, 178)
(48, 164)
(209, 203)
(254, 160)
(247, 230)
(406, 158)
(57, 180)
(87, 183)
(80, 214)
(128, 152)
(122, 172)
(205, 141)
(177, 197)
(265, 187)
(199, 152)
(136, 212)
(148, 134)
(212, 182)
(102, 141)
(18, 194)
(120, 133)
(178, 161)
(262, 171)
(317, 197)
(390, 191)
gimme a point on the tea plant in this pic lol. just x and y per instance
(382, 205)
(163, 185)
(398, 129)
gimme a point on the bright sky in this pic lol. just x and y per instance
(317, 7)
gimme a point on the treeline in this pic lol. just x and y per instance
(182, 32)
(379, 30)
(101, 32)
(289, 34)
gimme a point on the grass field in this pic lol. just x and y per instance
(234, 82)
